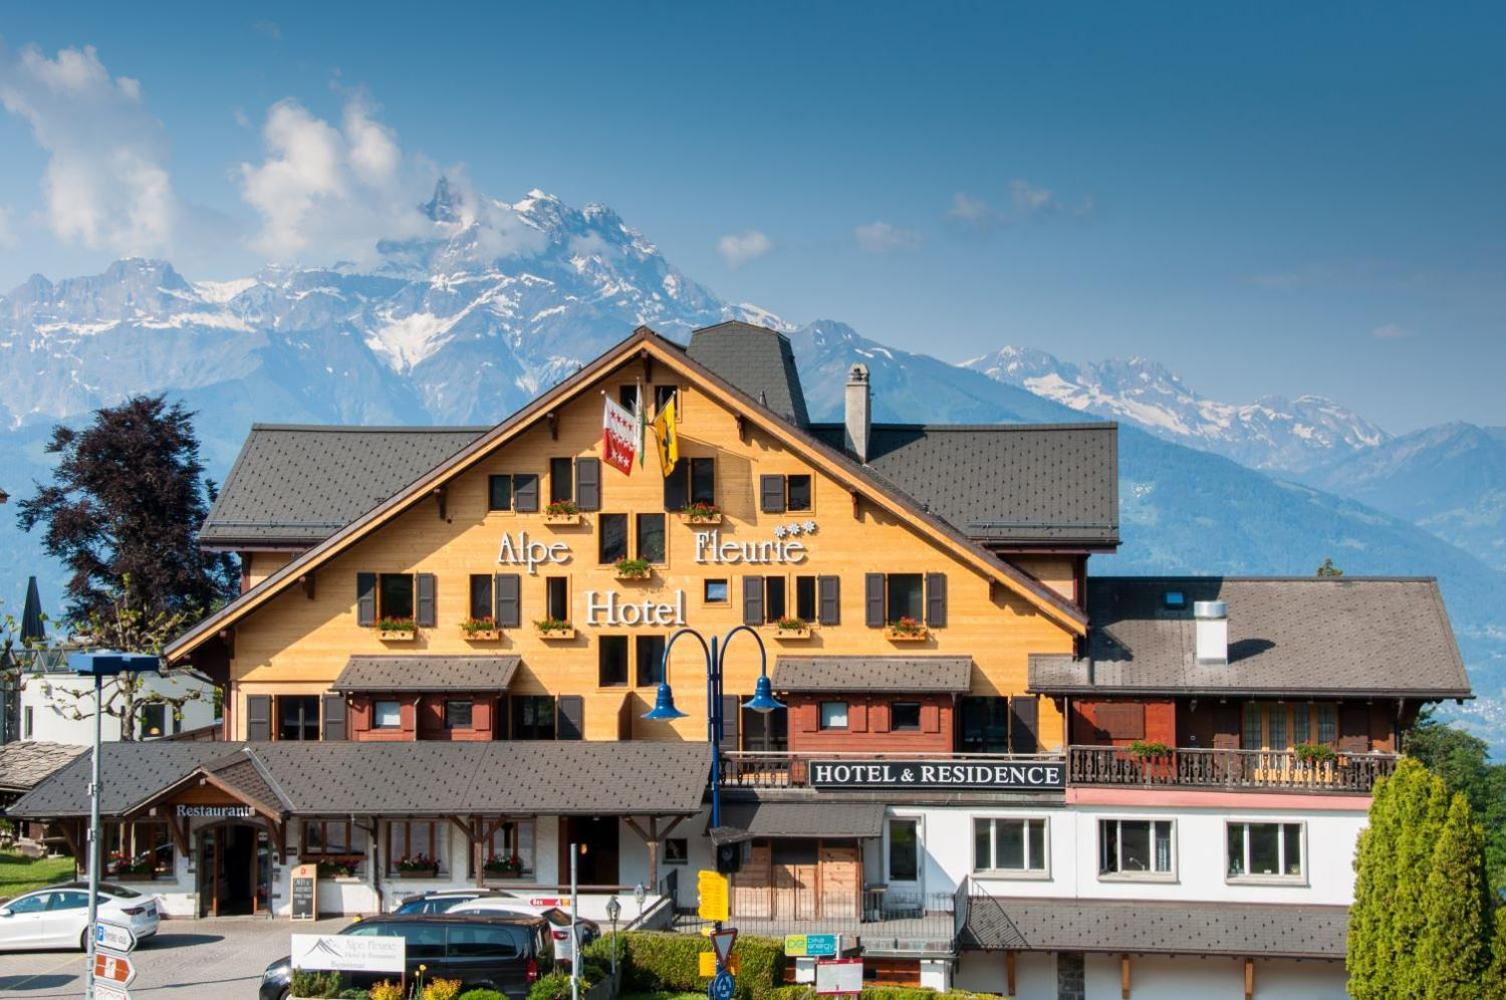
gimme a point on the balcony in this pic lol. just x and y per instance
(1254, 770)
(888, 920)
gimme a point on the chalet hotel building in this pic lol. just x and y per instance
(992, 770)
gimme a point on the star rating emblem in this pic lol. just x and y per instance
(779, 531)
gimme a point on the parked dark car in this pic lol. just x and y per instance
(504, 952)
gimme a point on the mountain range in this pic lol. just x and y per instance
(501, 299)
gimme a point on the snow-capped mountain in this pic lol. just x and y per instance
(1286, 435)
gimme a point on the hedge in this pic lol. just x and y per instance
(879, 993)
(654, 961)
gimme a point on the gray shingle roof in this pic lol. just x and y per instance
(1138, 926)
(1302, 636)
(296, 484)
(1005, 483)
(423, 778)
(747, 820)
(941, 674)
(423, 672)
(24, 764)
(757, 360)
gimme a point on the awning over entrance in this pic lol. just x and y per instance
(380, 674)
(783, 820)
(1270, 930)
(907, 674)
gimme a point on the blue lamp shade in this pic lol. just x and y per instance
(108, 664)
(664, 706)
(763, 699)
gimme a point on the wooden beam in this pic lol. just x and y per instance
(1249, 979)
(307, 579)
(1010, 959)
(179, 835)
(554, 425)
(857, 502)
(1124, 977)
(442, 497)
(742, 428)
(463, 827)
(70, 834)
(648, 371)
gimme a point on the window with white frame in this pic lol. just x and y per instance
(1135, 847)
(1265, 851)
(1009, 846)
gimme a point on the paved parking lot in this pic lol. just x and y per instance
(188, 960)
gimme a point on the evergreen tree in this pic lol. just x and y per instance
(1329, 569)
(1368, 959)
(1463, 762)
(1424, 809)
(1451, 950)
(1494, 986)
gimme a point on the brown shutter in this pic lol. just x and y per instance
(588, 483)
(507, 595)
(525, 492)
(426, 616)
(334, 717)
(1024, 711)
(752, 600)
(1226, 728)
(366, 598)
(930, 717)
(1354, 727)
(1120, 720)
(936, 600)
(829, 600)
(771, 494)
(731, 706)
(571, 722)
(258, 717)
(873, 599)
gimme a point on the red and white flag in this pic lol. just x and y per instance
(620, 432)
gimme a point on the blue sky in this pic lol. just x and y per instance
(1289, 199)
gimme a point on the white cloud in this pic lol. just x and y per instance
(739, 248)
(1390, 331)
(882, 237)
(106, 184)
(1026, 201)
(969, 209)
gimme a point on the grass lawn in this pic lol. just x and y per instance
(21, 874)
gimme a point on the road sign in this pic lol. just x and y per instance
(723, 986)
(721, 943)
(115, 938)
(713, 892)
(113, 969)
(103, 992)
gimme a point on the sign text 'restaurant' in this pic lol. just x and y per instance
(1000, 776)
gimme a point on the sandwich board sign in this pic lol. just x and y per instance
(305, 896)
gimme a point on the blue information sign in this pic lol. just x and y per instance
(723, 986)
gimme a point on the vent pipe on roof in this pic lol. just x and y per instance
(1211, 619)
(859, 412)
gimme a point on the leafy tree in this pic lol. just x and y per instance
(1462, 761)
(1329, 569)
(1451, 950)
(125, 499)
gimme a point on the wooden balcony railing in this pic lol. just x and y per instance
(1280, 770)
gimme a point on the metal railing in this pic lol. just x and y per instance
(784, 769)
(882, 918)
(1282, 770)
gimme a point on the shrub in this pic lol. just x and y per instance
(656, 961)
(556, 986)
(355, 993)
(482, 995)
(442, 989)
(315, 984)
(601, 950)
(386, 990)
(787, 993)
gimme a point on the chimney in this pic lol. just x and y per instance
(859, 412)
(1211, 619)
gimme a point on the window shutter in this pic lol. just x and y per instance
(829, 600)
(936, 600)
(1023, 712)
(572, 717)
(771, 494)
(425, 614)
(507, 593)
(525, 492)
(588, 483)
(334, 717)
(366, 599)
(258, 717)
(873, 599)
(731, 707)
(677, 487)
(1354, 727)
(752, 600)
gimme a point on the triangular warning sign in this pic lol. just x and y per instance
(721, 943)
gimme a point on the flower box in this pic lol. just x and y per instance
(431, 872)
(633, 569)
(397, 634)
(702, 513)
(906, 635)
(557, 520)
(480, 630)
(635, 576)
(792, 630)
(556, 634)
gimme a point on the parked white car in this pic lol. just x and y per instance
(559, 921)
(58, 916)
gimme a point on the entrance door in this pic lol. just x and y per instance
(902, 861)
(234, 869)
(595, 838)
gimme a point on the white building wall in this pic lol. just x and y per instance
(51, 709)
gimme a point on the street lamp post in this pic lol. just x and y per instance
(614, 910)
(99, 666)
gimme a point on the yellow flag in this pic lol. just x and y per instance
(667, 432)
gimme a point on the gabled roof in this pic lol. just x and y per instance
(1008, 484)
(426, 672)
(912, 674)
(757, 360)
(1295, 636)
(24, 764)
(649, 344)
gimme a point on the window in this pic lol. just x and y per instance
(31, 904)
(1009, 845)
(511, 840)
(1282, 726)
(766, 730)
(68, 901)
(1328, 723)
(1175, 599)
(414, 839)
(773, 598)
(650, 655)
(834, 715)
(797, 492)
(561, 480)
(459, 713)
(904, 716)
(1265, 850)
(985, 725)
(328, 836)
(153, 720)
(612, 661)
(481, 596)
(905, 597)
(663, 394)
(805, 598)
(532, 717)
(651, 537)
(717, 592)
(676, 851)
(395, 595)
(138, 842)
(1134, 847)
(557, 598)
(613, 544)
(499, 492)
(627, 395)
(703, 480)
(26, 722)
(386, 715)
(904, 850)
(298, 717)
(482, 942)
